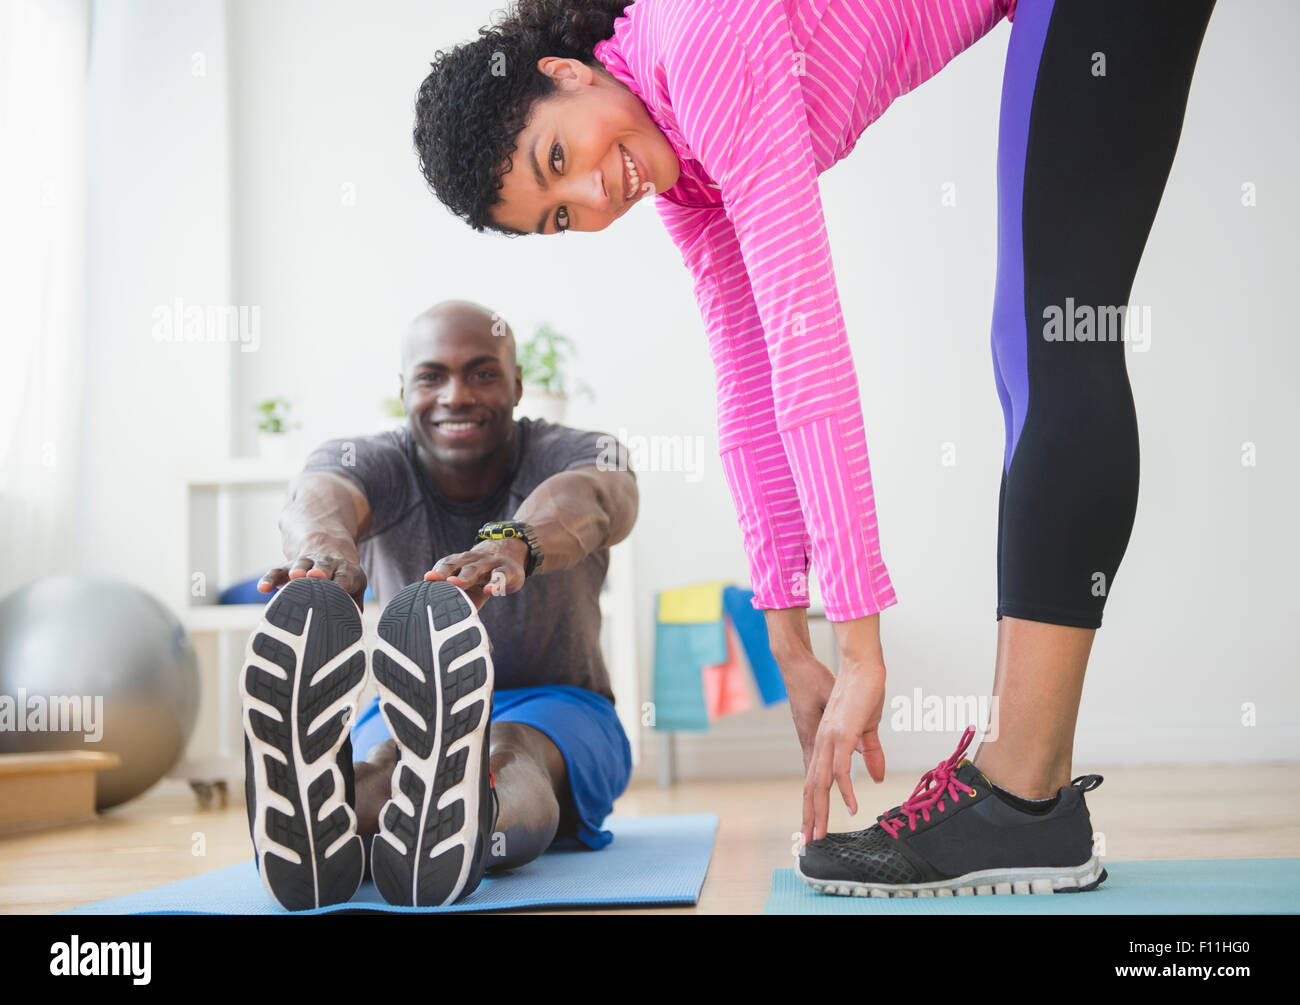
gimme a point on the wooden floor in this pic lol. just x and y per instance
(1144, 813)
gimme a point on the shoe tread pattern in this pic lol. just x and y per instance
(427, 768)
(310, 769)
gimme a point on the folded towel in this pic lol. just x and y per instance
(751, 626)
(726, 687)
(705, 634)
(701, 603)
(681, 651)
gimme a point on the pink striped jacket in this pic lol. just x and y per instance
(758, 98)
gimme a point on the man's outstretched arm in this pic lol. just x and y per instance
(319, 527)
(574, 513)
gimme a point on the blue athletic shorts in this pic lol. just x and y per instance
(581, 723)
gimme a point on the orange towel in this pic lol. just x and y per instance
(726, 687)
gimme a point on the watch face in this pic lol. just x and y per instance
(501, 530)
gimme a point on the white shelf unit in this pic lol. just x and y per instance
(220, 631)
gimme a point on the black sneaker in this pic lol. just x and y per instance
(304, 670)
(433, 664)
(957, 835)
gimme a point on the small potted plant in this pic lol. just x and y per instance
(544, 359)
(273, 428)
(394, 413)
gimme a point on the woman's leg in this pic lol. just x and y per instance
(1092, 108)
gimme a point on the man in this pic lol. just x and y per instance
(401, 510)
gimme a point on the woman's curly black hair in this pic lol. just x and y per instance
(478, 97)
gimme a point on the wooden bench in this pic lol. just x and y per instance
(48, 789)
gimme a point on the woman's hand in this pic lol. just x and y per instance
(808, 682)
(489, 569)
(850, 722)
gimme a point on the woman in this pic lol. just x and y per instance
(726, 111)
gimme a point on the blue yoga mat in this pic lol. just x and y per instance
(651, 861)
(1201, 886)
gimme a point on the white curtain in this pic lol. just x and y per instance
(43, 54)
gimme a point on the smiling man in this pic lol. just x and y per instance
(409, 507)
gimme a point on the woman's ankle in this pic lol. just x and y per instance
(1031, 776)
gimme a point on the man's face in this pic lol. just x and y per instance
(568, 171)
(459, 384)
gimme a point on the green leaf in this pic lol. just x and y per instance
(274, 415)
(544, 360)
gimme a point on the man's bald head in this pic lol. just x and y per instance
(462, 319)
(460, 384)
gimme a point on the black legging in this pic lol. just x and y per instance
(1092, 107)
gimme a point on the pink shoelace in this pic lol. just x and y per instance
(935, 786)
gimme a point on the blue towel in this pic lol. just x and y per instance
(244, 593)
(1200, 886)
(751, 626)
(653, 860)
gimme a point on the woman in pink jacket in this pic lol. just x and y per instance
(568, 112)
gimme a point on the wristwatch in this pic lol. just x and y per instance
(502, 530)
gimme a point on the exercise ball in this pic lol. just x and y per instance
(93, 663)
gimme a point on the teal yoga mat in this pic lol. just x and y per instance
(652, 861)
(1200, 886)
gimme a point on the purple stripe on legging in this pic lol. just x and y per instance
(1010, 335)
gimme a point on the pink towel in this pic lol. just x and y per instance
(726, 686)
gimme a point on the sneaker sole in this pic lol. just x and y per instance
(987, 882)
(304, 670)
(432, 663)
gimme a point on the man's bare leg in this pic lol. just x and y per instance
(532, 784)
(1038, 683)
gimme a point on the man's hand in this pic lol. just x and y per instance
(336, 560)
(319, 526)
(489, 569)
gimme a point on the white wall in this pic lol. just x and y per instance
(42, 281)
(320, 106)
(159, 210)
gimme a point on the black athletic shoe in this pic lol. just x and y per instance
(304, 670)
(433, 664)
(958, 835)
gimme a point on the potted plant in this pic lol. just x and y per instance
(273, 428)
(394, 413)
(544, 359)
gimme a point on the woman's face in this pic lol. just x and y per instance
(568, 171)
